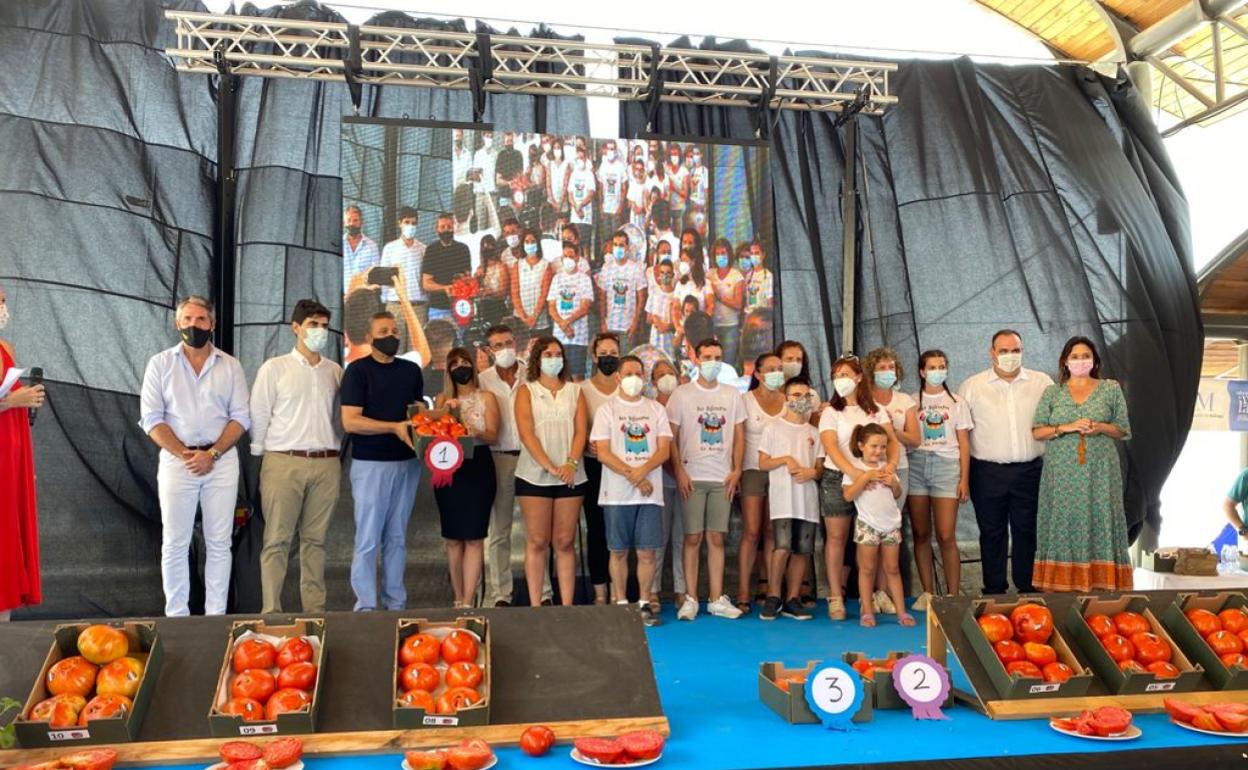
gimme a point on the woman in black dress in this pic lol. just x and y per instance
(464, 505)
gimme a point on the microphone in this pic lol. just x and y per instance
(36, 378)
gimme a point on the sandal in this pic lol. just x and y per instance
(867, 620)
(836, 608)
(761, 596)
(905, 619)
(745, 607)
(808, 596)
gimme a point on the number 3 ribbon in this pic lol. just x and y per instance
(443, 457)
(834, 693)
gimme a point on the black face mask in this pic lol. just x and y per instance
(446, 236)
(195, 337)
(353, 230)
(462, 375)
(387, 346)
(608, 365)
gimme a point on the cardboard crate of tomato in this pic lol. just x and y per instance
(1199, 623)
(783, 690)
(94, 687)
(427, 425)
(880, 673)
(1126, 646)
(1023, 636)
(441, 673)
(270, 682)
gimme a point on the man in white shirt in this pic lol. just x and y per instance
(407, 253)
(194, 406)
(297, 428)
(359, 252)
(1005, 461)
(708, 421)
(612, 183)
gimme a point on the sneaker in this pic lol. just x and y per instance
(502, 603)
(648, 616)
(688, 609)
(771, 608)
(723, 608)
(836, 608)
(883, 603)
(793, 609)
(920, 604)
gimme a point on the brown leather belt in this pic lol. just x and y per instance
(203, 448)
(317, 455)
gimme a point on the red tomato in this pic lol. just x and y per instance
(1233, 659)
(249, 764)
(94, 759)
(642, 744)
(1129, 623)
(1057, 672)
(1024, 668)
(254, 683)
(1180, 711)
(1163, 669)
(419, 699)
(426, 760)
(469, 755)
(457, 698)
(1204, 621)
(419, 676)
(59, 710)
(1233, 620)
(536, 741)
(254, 653)
(459, 645)
(301, 676)
(105, 707)
(1225, 643)
(1118, 647)
(1101, 625)
(284, 701)
(1150, 648)
(1207, 721)
(463, 674)
(250, 710)
(885, 665)
(283, 752)
(604, 751)
(1040, 654)
(240, 751)
(296, 649)
(996, 627)
(72, 676)
(1243, 637)
(863, 667)
(120, 677)
(419, 648)
(1009, 651)
(1032, 623)
(1110, 720)
(1231, 722)
(1234, 708)
(103, 644)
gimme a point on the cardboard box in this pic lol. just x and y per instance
(421, 443)
(290, 723)
(791, 704)
(1159, 561)
(1107, 669)
(409, 717)
(1010, 687)
(145, 645)
(885, 695)
(1174, 618)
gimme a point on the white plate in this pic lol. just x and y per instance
(1131, 733)
(493, 761)
(1193, 728)
(584, 760)
(222, 765)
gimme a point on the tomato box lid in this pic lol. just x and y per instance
(412, 717)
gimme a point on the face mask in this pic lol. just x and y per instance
(530, 249)
(632, 385)
(558, 153)
(489, 139)
(1080, 368)
(608, 365)
(620, 253)
(885, 380)
(675, 159)
(611, 155)
(514, 240)
(387, 346)
(666, 279)
(1009, 362)
(4, 316)
(721, 261)
(936, 377)
(462, 375)
(710, 370)
(747, 264)
(505, 358)
(569, 264)
(801, 405)
(195, 337)
(844, 386)
(316, 338)
(792, 369)
(695, 160)
(552, 366)
(353, 230)
(408, 231)
(446, 236)
(684, 269)
(773, 380)
(667, 383)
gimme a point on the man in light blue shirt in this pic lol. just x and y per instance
(194, 405)
(359, 252)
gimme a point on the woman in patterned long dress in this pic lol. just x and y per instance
(1081, 525)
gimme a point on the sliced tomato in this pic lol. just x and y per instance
(1110, 720)
(1234, 708)
(96, 759)
(1180, 711)
(240, 751)
(642, 744)
(1207, 721)
(471, 754)
(602, 750)
(249, 764)
(283, 752)
(1231, 722)
(426, 760)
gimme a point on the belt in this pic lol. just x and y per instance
(512, 452)
(1019, 462)
(316, 455)
(203, 448)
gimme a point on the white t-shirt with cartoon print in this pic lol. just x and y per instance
(941, 416)
(634, 429)
(707, 420)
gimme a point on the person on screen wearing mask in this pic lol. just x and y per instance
(662, 307)
(559, 168)
(622, 287)
(759, 281)
(596, 391)
(407, 253)
(1006, 461)
(699, 177)
(582, 191)
(677, 182)
(494, 277)
(510, 164)
(635, 196)
(632, 438)
(362, 304)
(665, 379)
(510, 245)
(359, 252)
(612, 184)
(660, 252)
(728, 287)
(571, 234)
(484, 181)
(530, 285)
(194, 406)
(376, 392)
(296, 428)
(691, 281)
(708, 419)
(570, 297)
(444, 261)
(661, 228)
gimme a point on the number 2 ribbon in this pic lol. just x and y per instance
(923, 684)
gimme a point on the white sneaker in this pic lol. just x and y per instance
(920, 604)
(884, 604)
(688, 609)
(723, 608)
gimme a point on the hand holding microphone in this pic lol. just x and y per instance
(36, 386)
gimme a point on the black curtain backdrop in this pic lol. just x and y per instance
(1038, 198)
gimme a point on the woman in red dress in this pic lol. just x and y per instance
(19, 539)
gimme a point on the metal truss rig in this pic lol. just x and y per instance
(310, 50)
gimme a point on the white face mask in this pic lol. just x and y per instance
(505, 358)
(513, 240)
(4, 315)
(844, 386)
(684, 269)
(667, 383)
(1009, 362)
(773, 380)
(316, 338)
(792, 369)
(569, 264)
(407, 231)
(632, 385)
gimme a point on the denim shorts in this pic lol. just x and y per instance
(797, 536)
(934, 476)
(832, 502)
(634, 526)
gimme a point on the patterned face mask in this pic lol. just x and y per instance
(802, 405)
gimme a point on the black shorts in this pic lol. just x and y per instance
(794, 535)
(555, 492)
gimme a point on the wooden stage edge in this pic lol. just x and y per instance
(344, 744)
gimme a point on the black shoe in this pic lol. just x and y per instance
(771, 608)
(649, 617)
(502, 603)
(548, 602)
(809, 599)
(793, 609)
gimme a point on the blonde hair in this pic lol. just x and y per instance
(873, 358)
(198, 301)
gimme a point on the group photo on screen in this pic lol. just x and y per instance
(453, 230)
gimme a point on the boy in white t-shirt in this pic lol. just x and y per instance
(633, 439)
(874, 494)
(792, 454)
(708, 420)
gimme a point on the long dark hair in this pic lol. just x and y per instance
(755, 380)
(866, 401)
(923, 359)
(1064, 373)
(783, 346)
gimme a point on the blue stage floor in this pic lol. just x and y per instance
(707, 674)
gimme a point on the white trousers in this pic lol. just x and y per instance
(180, 493)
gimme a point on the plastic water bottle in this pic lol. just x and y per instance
(1230, 558)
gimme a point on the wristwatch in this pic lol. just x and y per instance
(1243, 530)
(214, 454)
